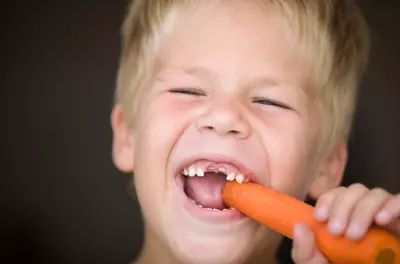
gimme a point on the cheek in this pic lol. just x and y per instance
(159, 126)
(288, 148)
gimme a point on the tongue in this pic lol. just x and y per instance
(206, 190)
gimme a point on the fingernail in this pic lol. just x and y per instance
(335, 226)
(383, 216)
(321, 213)
(355, 231)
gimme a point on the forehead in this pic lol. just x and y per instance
(238, 40)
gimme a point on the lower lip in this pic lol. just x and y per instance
(205, 214)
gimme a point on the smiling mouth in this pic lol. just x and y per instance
(204, 180)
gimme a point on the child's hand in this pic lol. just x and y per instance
(350, 212)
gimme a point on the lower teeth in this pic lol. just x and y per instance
(212, 209)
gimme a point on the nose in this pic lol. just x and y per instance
(225, 119)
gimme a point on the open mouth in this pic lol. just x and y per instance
(204, 180)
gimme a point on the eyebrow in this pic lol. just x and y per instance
(201, 72)
(205, 72)
(264, 81)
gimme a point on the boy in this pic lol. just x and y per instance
(252, 90)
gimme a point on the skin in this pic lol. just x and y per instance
(234, 67)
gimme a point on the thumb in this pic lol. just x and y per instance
(304, 248)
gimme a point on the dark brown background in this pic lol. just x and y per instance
(62, 201)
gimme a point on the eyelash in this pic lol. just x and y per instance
(187, 91)
(264, 101)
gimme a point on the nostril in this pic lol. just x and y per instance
(208, 128)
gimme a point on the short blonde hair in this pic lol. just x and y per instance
(333, 29)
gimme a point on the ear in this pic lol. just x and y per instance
(330, 173)
(122, 144)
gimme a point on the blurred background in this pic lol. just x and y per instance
(62, 200)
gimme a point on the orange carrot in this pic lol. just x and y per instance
(281, 212)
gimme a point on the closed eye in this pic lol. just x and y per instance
(269, 102)
(194, 92)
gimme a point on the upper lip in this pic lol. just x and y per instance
(219, 159)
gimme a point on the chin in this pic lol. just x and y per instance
(196, 249)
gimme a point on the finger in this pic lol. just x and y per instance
(389, 211)
(342, 208)
(304, 248)
(364, 211)
(324, 203)
(389, 215)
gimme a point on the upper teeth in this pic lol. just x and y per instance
(200, 172)
(191, 171)
(230, 177)
(240, 178)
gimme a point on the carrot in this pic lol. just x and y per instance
(281, 212)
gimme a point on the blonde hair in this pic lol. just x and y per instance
(334, 30)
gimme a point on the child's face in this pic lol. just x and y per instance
(248, 108)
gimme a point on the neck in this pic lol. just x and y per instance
(154, 251)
